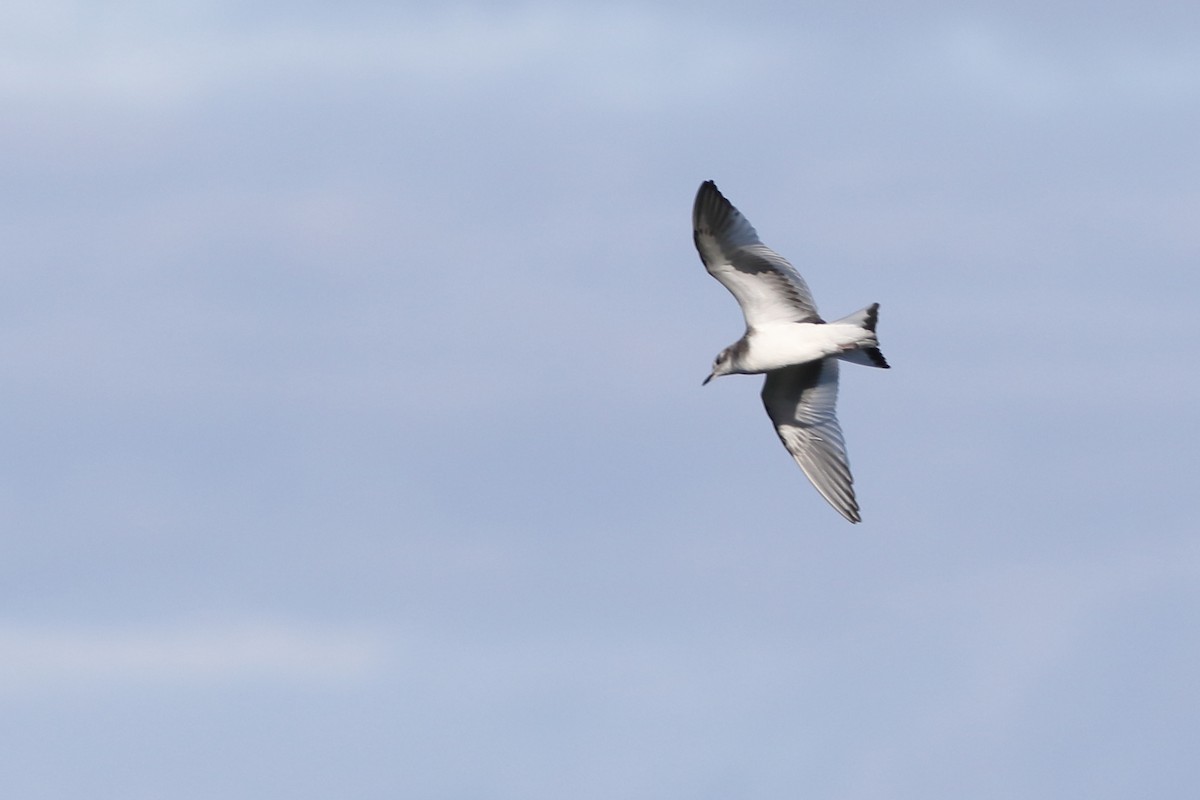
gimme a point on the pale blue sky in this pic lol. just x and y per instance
(354, 442)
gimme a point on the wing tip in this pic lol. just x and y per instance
(709, 203)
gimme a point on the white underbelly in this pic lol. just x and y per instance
(798, 343)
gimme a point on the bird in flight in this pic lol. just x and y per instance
(786, 340)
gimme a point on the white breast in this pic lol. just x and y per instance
(777, 346)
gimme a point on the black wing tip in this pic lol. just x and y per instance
(711, 207)
(709, 193)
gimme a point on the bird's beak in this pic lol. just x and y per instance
(706, 380)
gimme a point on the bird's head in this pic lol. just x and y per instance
(722, 365)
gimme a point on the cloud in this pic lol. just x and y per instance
(33, 657)
(616, 55)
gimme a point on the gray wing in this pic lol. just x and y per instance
(802, 401)
(766, 286)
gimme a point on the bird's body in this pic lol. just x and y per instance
(788, 341)
(787, 344)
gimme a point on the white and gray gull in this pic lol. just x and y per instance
(787, 340)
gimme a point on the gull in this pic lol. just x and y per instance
(786, 340)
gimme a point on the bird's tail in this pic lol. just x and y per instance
(868, 354)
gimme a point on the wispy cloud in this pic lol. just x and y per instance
(156, 58)
(32, 657)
